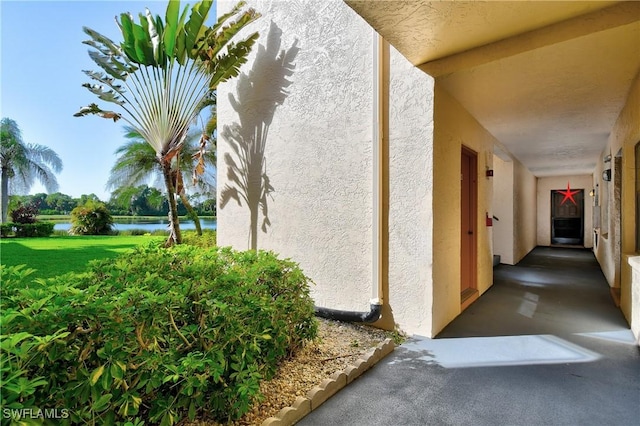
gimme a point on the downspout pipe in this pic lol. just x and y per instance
(375, 311)
(352, 316)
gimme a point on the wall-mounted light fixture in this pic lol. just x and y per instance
(607, 158)
(592, 193)
(606, 175)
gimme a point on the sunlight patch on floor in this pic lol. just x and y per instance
(618, 336)
(496, 351)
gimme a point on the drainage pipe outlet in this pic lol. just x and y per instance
(352, 316)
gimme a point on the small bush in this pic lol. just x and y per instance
(24, 213)
(38, 229)
(156, 334)
(6, 229)
(134, 232)
(206, 240)
(92, 218)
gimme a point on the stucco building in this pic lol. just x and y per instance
(394, 148)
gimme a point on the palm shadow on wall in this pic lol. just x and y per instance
(259, 93)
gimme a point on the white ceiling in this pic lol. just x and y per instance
(547, 79)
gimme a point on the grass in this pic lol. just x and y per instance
(61, 254)
(67, 218)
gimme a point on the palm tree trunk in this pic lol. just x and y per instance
(4, 196)
(192, 213)
(175, 236)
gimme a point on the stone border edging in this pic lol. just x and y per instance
(319, 394)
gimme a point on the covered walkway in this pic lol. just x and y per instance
(544, 346)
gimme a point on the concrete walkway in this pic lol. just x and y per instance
(544, 346)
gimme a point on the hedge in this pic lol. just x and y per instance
(38, 229)
(158, 334)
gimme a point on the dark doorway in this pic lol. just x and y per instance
(469, 224)
(567, 217)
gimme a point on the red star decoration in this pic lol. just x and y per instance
(568, 194)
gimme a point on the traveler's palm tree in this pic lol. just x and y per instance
(164, 74)
(22, 164)
(137, 163)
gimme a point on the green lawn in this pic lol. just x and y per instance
(61, 254)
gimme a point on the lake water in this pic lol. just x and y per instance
(148, 224)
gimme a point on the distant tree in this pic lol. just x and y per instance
(40, 200)
(140, 200)
(209, 206)
(164, 74)
(84, 198)
(137, 162)
(23, 163)
(61, 203)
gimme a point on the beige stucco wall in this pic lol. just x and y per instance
(410, 196)
(514, 203)
(524, 211)
(315, 123)
(623, 137)
(455, 127)
(544, 188)
(633, 264)
(317, 155)
(503, 229)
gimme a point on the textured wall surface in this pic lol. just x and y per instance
(514, 203)
(410, 195)
(455, 127)
(298, 126)
(503, 209)
(548, 184)
(307, 127)
(623, 138)
(525, 208)
(634, 296)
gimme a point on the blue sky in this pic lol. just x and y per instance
(41, 63)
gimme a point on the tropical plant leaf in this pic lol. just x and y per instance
(94, 109)
(103, 62)
(126, 28)
(194, 28)
(109, 96)
(223, 18)
(218, 37)
(142, 43)
(171, 27)
(98, 39)
(228, 66)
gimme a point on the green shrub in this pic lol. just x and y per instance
(37, 229)
(158, 334)
(6, 229)
(92, 218)
(206, 240)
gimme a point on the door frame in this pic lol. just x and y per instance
(560, 241)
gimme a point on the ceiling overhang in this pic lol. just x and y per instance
(547, 78)
(445, 36)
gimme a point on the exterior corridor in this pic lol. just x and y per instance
(544, 346)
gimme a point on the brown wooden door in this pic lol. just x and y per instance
(469, 223)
